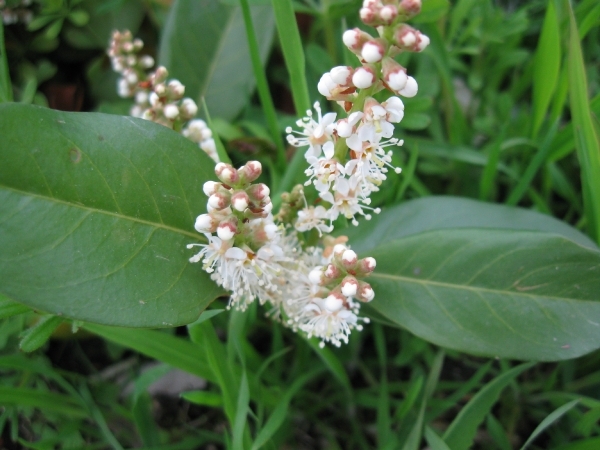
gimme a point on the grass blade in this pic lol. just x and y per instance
(552, 417)
(460, 434)
(587, 140)
(5, 85)
(243, 403)
(435, 442)
(546, 67)
(261, 83)
(39, 334)
(223, 156)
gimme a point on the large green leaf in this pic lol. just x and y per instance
(505, 293)
(95, 214)
(204, 46)
(432, 213)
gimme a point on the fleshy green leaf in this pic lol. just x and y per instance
(433, 213)
(204, 46)
(97, 211)
(513, 294)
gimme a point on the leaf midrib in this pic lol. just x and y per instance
(477, 289)
(107, 213)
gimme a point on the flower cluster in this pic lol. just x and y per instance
(255, 256)
(350, 157)
(156, 98)
(18, 11)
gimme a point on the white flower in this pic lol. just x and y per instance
(315, 133)
(378, 118)
(345, 200)
(323, 171)
(313, 217)
(329, 321)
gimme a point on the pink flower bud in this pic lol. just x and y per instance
(250, 172)
(388, 13)
(240, 201)
(393, 74)
(205, 224)
(410, 7)
(354, 39)
(410, 89)
(171, 112)
(367, 15)
(363, 77)
(373, 51)
(338, 249)
(160, 74)
(210, 187)
(218, 201)
(349, 258)
(349, 286)
(226, 230)
(366, 292)
(333, 303)
(332, 272)
(316, 275)
(368, 264)
(188, 108)
(341, 75)
(176, 89)
(258, 192)
(226, 173)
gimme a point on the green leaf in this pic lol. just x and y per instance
(435, 442)
(587, 138)
(47, 402)
(506, 293)
(204, 46)
(432, 10)
(434, 213)
(6, 94)
(94, 31)
(159, 345)
(97, 212)
(39, 334)
(460, 433)
(8, 308)
(546, 66)
(549, 420)
(205, 398)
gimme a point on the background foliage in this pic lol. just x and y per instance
(97, 209)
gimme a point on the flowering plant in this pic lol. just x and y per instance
(189, 202)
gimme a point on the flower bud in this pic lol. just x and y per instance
(240, 201)
(226, 173)
(146, 61)
(341, 75)
(175, 89)
(218, 201)
(354, 39)
(349, 286)
(388, 13)
(316, 275)
(410, 8)
(171, 112)
(210, 187)
(365, 292)
(349, 258)
(205, 224)
(160, 74)
(373, 51)
(333, 302)
(410, 89)
(367, 265)
(249, 172)
(227, 230)
(258, 192)
(363, 77)
(332, 272)
(188, 108)
(326, 85)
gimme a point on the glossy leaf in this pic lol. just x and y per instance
(433, 213)
(204, 46)
(97, 211)
(506, 293)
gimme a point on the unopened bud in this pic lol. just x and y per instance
(250, 172)
(315, 276)
(341, 75)
(226, 230)
(210, 187)
(349, 286)
(218, 201)
(349, 258)
(332, 272)
(188, 108)
(368, 264)
(333, 303)
(240, 201)
(363, 77)
(373, 51)
(146, 61)
(366, 292)
(160, 74)
(171, 112)
(226, 173)
(388, 13)
(410, 8)
(176, 89)
(258, 192)
(205, 224)
(410, 89)
(354, 39)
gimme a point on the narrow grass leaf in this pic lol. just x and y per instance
(243, 403)
(416, 433)
(549, 420)
(408, 172)
(435, 442)
(546, 66)
(587, 140)
(204, 398)
(5, 85)
(45, 401)
(144, 422)
(221, 151)
(261, 83)
(39, 334)
(462, 430)
(279, 414)
(409, 399)
(159, 345)
(98, 417)
(497, 433)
